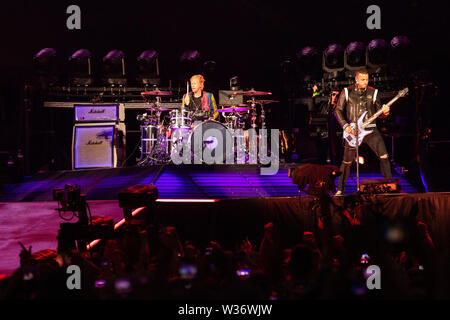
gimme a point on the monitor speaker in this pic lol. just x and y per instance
(377, 186)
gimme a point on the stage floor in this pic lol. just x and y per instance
(174, 182)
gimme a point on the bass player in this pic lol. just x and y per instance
(354, 101)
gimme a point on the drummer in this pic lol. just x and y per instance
(202, 103)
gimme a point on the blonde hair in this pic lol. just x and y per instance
(199, 77)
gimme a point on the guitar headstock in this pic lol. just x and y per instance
(402, 93)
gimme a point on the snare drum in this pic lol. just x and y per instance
(180, 119)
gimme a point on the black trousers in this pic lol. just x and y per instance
(375, 141)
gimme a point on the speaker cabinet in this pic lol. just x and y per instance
(98, 145)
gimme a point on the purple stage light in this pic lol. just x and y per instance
(45, 62)
(307, 51)
(81, 54)
(377, 52)
(148, 66)
(354, 46)
(355, 54)
(400, 41)
(377, 44)
(148, 56)
(190, 55)
(80, 65)
(45, 53)
(114, 55)
(334, 56)
(334, 49)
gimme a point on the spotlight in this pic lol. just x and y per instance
(377, 54)
(114, 67)
(333, 59)
(44, 61)
(148, 68)
(80, 67)
(400, 42)
(355, 56)
(309, 63)
(190, 64)
(360, 160)
(234, 83)
(190, 56)
(400, 50)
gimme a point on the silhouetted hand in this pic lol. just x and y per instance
(24, 255)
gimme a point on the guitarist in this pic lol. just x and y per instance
(363, 98)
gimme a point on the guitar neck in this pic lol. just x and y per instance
(378, 113)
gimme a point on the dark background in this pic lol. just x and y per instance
(246, 38)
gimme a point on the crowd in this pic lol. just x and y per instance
(152, 262)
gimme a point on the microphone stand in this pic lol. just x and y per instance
(357, 151)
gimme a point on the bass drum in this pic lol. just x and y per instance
(214, 137)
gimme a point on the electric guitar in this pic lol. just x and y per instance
(361, 126)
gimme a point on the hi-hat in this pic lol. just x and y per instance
(156, 93)
(262, 101)
(252, 93)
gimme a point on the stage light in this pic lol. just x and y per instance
(400, 42)
(234, 83)
(308, 63)
(377, 54)
(355, 56)
(190, 56)
(80, 67)
(400, 53)
(333, 59)
(361, 160)
(190, 64)
(44, 61)
(114, 67)
(148, 68)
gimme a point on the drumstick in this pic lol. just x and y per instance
(187, 89)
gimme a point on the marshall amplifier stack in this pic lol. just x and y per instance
(98, 138)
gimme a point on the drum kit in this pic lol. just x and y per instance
(162, 129)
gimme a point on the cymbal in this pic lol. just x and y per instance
(156, 93)
(234, 105)
(233, 109)
(157, 109)
(262, 101)
(252, 93)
